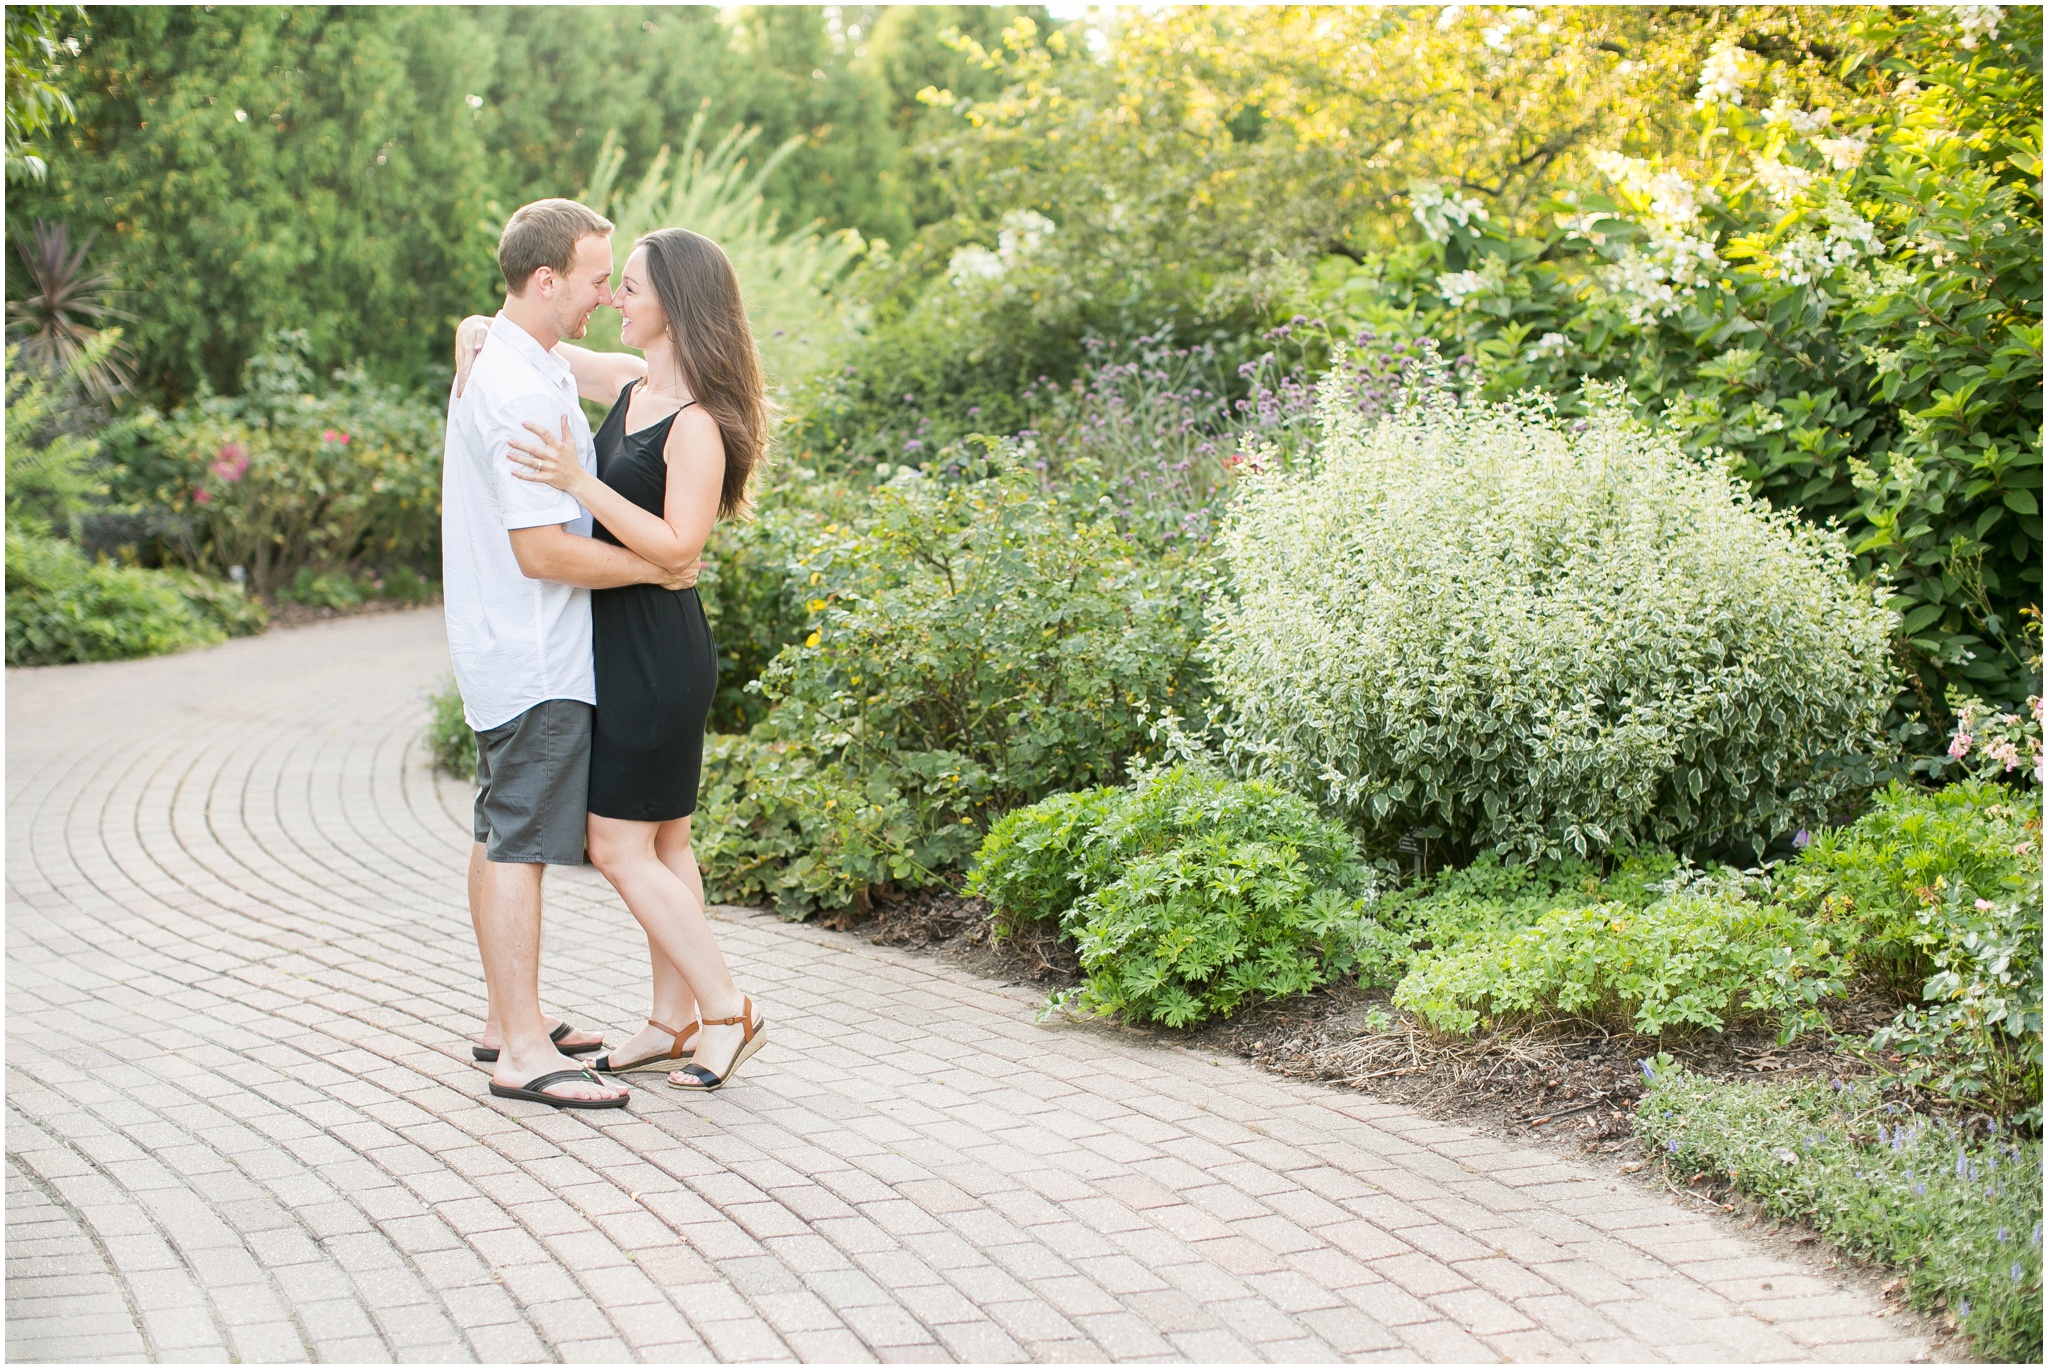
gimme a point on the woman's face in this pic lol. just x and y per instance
(640, 318)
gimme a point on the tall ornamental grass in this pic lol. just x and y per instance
(1543, 638)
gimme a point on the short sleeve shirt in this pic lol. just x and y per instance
(515, 642)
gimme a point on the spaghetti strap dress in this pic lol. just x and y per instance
(657, 667)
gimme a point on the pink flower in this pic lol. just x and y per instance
(1960, 746)
(331, 435)
(1985, 905)
(232, 463)
(2003, 751)
(202, 495)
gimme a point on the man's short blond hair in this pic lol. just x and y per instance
(545, 233)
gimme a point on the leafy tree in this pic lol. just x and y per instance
(37, 42)
(250, 169)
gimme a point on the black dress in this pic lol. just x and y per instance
(657, 668)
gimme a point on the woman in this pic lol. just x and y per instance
(688, 424)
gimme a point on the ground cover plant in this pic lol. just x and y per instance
(1186, 894)
(1956, 1207)
(1541, 637)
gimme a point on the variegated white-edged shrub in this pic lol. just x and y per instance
(1543, 638)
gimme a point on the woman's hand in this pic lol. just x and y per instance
(469, 340)
(552, 462)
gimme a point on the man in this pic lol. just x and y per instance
(518, 565)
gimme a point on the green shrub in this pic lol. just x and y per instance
(1961, 1215)
(335, 589)
(1187, 895)
(1542, 639)
(966, 647)
(1035, 862)
(752, 587)
(1697, 957)
(1940, 894)
(450, 741)
(280, 479)
(62, 608)
(778, 823)
(221, 603)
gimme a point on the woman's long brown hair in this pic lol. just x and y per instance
(707, 326)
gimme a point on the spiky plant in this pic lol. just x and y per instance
(64, 309)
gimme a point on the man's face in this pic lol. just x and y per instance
(588, 284)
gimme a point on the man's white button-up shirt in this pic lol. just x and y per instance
(516, 642)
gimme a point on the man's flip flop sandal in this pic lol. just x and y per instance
(532, 1092)
(489, 1054)
(664, 1063)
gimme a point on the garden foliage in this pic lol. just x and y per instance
(968, 646)
(1542, 638)
(1702, 955)
(1187, 895)
(63, 606)
(1839, 289)
(1940, 895)
(283, 477)
(1958, 1211)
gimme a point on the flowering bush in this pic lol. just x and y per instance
(278, 478)
(1844, 298)
(1541, 638)
(1957, 1211)
(1187, 895)
(1989, 744)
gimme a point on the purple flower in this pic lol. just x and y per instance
(1802, 839)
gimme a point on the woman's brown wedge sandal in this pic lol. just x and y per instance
(648, 1064)
(755, 1036)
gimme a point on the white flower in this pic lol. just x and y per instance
(1549, 345)
(1728, 69)
(1673, 199)
(1658, 283)
(1436, 211)
(1802, 122)
(1501, 37)
(1977, 22)
(1457, 287)
(1850, 229)
(973, 262)
(1782, 181)
(1021, 233)
(1449, 16)
(1844, 154)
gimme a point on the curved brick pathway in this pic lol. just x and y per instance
(243, 1121)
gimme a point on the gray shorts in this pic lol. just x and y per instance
(533, 783)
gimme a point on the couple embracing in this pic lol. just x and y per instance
(585, 663)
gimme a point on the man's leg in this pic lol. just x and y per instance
(507, 917)
(529, 813)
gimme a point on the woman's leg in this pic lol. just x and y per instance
(670, 909)
(674, 1005)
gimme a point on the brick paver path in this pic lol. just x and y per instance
(243, 1120)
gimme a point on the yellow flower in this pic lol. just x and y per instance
(811, 640)
(815, 605)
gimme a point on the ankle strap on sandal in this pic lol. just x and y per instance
(675, 1044)
(745, 1020)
